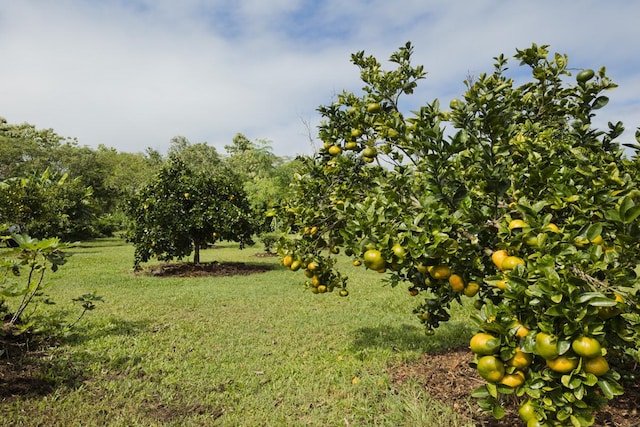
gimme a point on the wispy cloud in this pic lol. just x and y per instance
(133, 74)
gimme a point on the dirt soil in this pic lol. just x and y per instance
(448, 378)
(186, 269)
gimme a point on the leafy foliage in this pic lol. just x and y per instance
(435, 207)
(23, 269)
(47, 205)
(181, 211)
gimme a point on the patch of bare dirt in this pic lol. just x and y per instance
(450, 379)
(26, 371)
(189, 269)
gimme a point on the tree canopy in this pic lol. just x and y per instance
(182, 210)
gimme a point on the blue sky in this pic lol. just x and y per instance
(134, 74)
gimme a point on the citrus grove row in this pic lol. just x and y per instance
(511, 198)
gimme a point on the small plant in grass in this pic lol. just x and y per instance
(23, 270)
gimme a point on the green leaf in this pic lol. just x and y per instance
(480, 393)
(492, 390)
(599, 102)
(631, 215)
(498, 412)
(602, 302)
(593, 231)
(610, 388)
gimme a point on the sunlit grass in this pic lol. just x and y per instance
(244, 350)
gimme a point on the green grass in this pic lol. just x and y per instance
(256, 350)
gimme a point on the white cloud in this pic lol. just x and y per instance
(133, 74)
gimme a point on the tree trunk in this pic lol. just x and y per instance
(196, 253)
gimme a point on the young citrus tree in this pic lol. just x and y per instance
(181, 211)
(524, 205)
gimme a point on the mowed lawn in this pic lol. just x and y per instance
(256, 350)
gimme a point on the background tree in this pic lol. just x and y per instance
(47, 205)
(199, 157)
(27, 150)
(183, 210)
(103, 174)
(266, 177)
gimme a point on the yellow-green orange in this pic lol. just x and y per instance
(374, 260)
(471, 289)
(586, 347)
(483, 343)
(491, 368)
(510, 262)
(546, 345)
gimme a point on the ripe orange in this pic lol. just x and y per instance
(513, 380)
(520, 330)
(597, 240)
(483, 343)
(440, 272)
(457, 282)
(498, 256)
(322, 289)
(313, 266)
(597, 366)
(287, 260)
(562, 364)
(521, 359)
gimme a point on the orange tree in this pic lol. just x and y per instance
(181, 211)
(522, 203)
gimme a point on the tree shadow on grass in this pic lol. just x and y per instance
(412, 337)
(28, 367)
